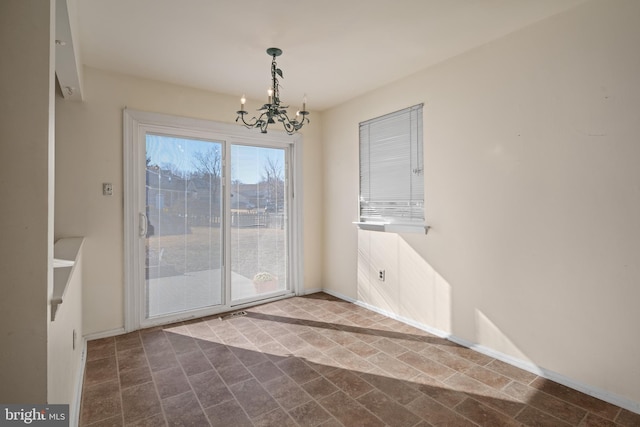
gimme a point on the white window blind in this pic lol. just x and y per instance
(391, 168)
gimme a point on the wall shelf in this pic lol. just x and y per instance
(65, 253)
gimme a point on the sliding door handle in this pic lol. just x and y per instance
(142, 226)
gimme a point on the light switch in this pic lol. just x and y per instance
(107, 189)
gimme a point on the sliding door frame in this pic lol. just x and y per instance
(136, 124)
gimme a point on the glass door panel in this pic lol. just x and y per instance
(259, 222)
(183, 245)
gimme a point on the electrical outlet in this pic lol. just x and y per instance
(381, 275)
(107, 189)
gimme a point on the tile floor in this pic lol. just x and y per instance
(317, 361)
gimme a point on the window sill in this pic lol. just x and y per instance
(392, 228)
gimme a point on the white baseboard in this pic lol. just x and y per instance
(311, 291)
(596, 392)
(338, 295)
(77, 393)
(421, 326)
(104, 334)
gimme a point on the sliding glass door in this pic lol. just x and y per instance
(207, 218)
(183, 242)
(259, 222)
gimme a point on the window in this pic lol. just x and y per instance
(392, 171)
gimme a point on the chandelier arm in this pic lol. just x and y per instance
(291, 126)
(253, 122)
(249, 124)
(288, 126)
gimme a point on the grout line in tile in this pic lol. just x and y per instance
(618, 412)
(153, 379)
(538, 391)
(189, 382)
(119, 383)
(483, 404)
(524, 406)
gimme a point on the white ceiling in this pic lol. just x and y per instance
(334, 50)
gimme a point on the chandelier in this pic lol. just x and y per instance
(272, 110)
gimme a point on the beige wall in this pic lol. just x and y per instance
(533, 193)
(26, 194)
(89, 152)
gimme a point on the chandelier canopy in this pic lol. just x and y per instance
(272, 110)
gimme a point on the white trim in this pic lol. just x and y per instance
(596, 392)
(312, 291)
(370, 225)
(226, 219)
(247, 302)
(130, 126)
(105, 334)
(77, 392)
(392, 227)
(296, 255)
(433, 331)
(169, 319)
(220, 309)
(260, 302)
(339, 295)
